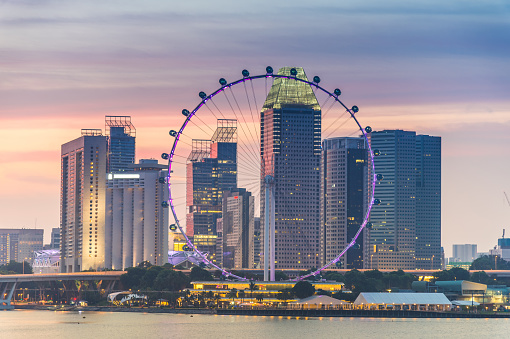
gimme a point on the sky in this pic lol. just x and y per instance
(436, 67)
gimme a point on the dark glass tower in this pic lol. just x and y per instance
(343, 202)
(406, 232)
(121, 143)
(211, 170)
(290, 152)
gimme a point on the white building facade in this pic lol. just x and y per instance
(136, 222)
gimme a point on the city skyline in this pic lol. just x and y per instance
(445, 75)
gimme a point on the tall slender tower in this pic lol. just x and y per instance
(428, 202)
(82, 202)
(290, 154)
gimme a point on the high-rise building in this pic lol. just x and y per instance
(291, 152)
(428, 202)
(136, 226)
(464, 253)
(82, 202)
(55, 238)
(237, 242)
(211, 170)
(343, 199)
(19, 244)
(406, 224)
(121, 143)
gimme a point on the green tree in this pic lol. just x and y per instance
(480, 277)
(335, 276)
(252, 288)
(279, 276)
(199, 274)
(303, 289)
(133, 277)
(490, 262)
(232, 294)
(14, 267)
(147, 281)
(170, 280)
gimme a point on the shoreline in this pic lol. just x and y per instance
(314, 313)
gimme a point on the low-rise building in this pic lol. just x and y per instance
(403, 301)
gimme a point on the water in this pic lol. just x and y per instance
(28, 324)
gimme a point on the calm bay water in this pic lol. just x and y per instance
(27, 324)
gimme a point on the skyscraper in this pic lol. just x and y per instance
(290, 152)
(343, 199)
(237, 230)
(82, 201)
(136, 223)
(428, 202)
(211, 170)
(121, 143)
(406, 225)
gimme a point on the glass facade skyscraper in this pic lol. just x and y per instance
(290, 152)
(211, 170)
(121, 143)
(406, 231)
(343, 199)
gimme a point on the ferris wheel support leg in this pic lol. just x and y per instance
(266, 231)
(273, 235)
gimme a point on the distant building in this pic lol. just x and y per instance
(82, 202)
(502, 250)
(121, 143)
(257, 242)
(55, 238)
(464, 253)
(211, 170)
(343, 199)
(136, 223)
(291, 153)
(19, 244)
(236, 236)
(406, 224)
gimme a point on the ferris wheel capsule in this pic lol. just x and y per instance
(223, 82)
(245, 73)
(164, 156)
(269, 70)
(337, 92)
(185, 112)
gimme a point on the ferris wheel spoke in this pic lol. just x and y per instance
(242, 115)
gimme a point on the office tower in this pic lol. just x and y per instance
(407, 220)
(428, 202)
(343, 200)
(121, 143)
(211, 170)
(257, 242)
(136, 225)
(82, 202)
(464, 253)
(290, 152)
(236, 242)
(19, 244)
(55, 238)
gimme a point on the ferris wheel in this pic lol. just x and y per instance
(223, 155)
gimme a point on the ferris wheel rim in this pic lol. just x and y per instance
(177, 135)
